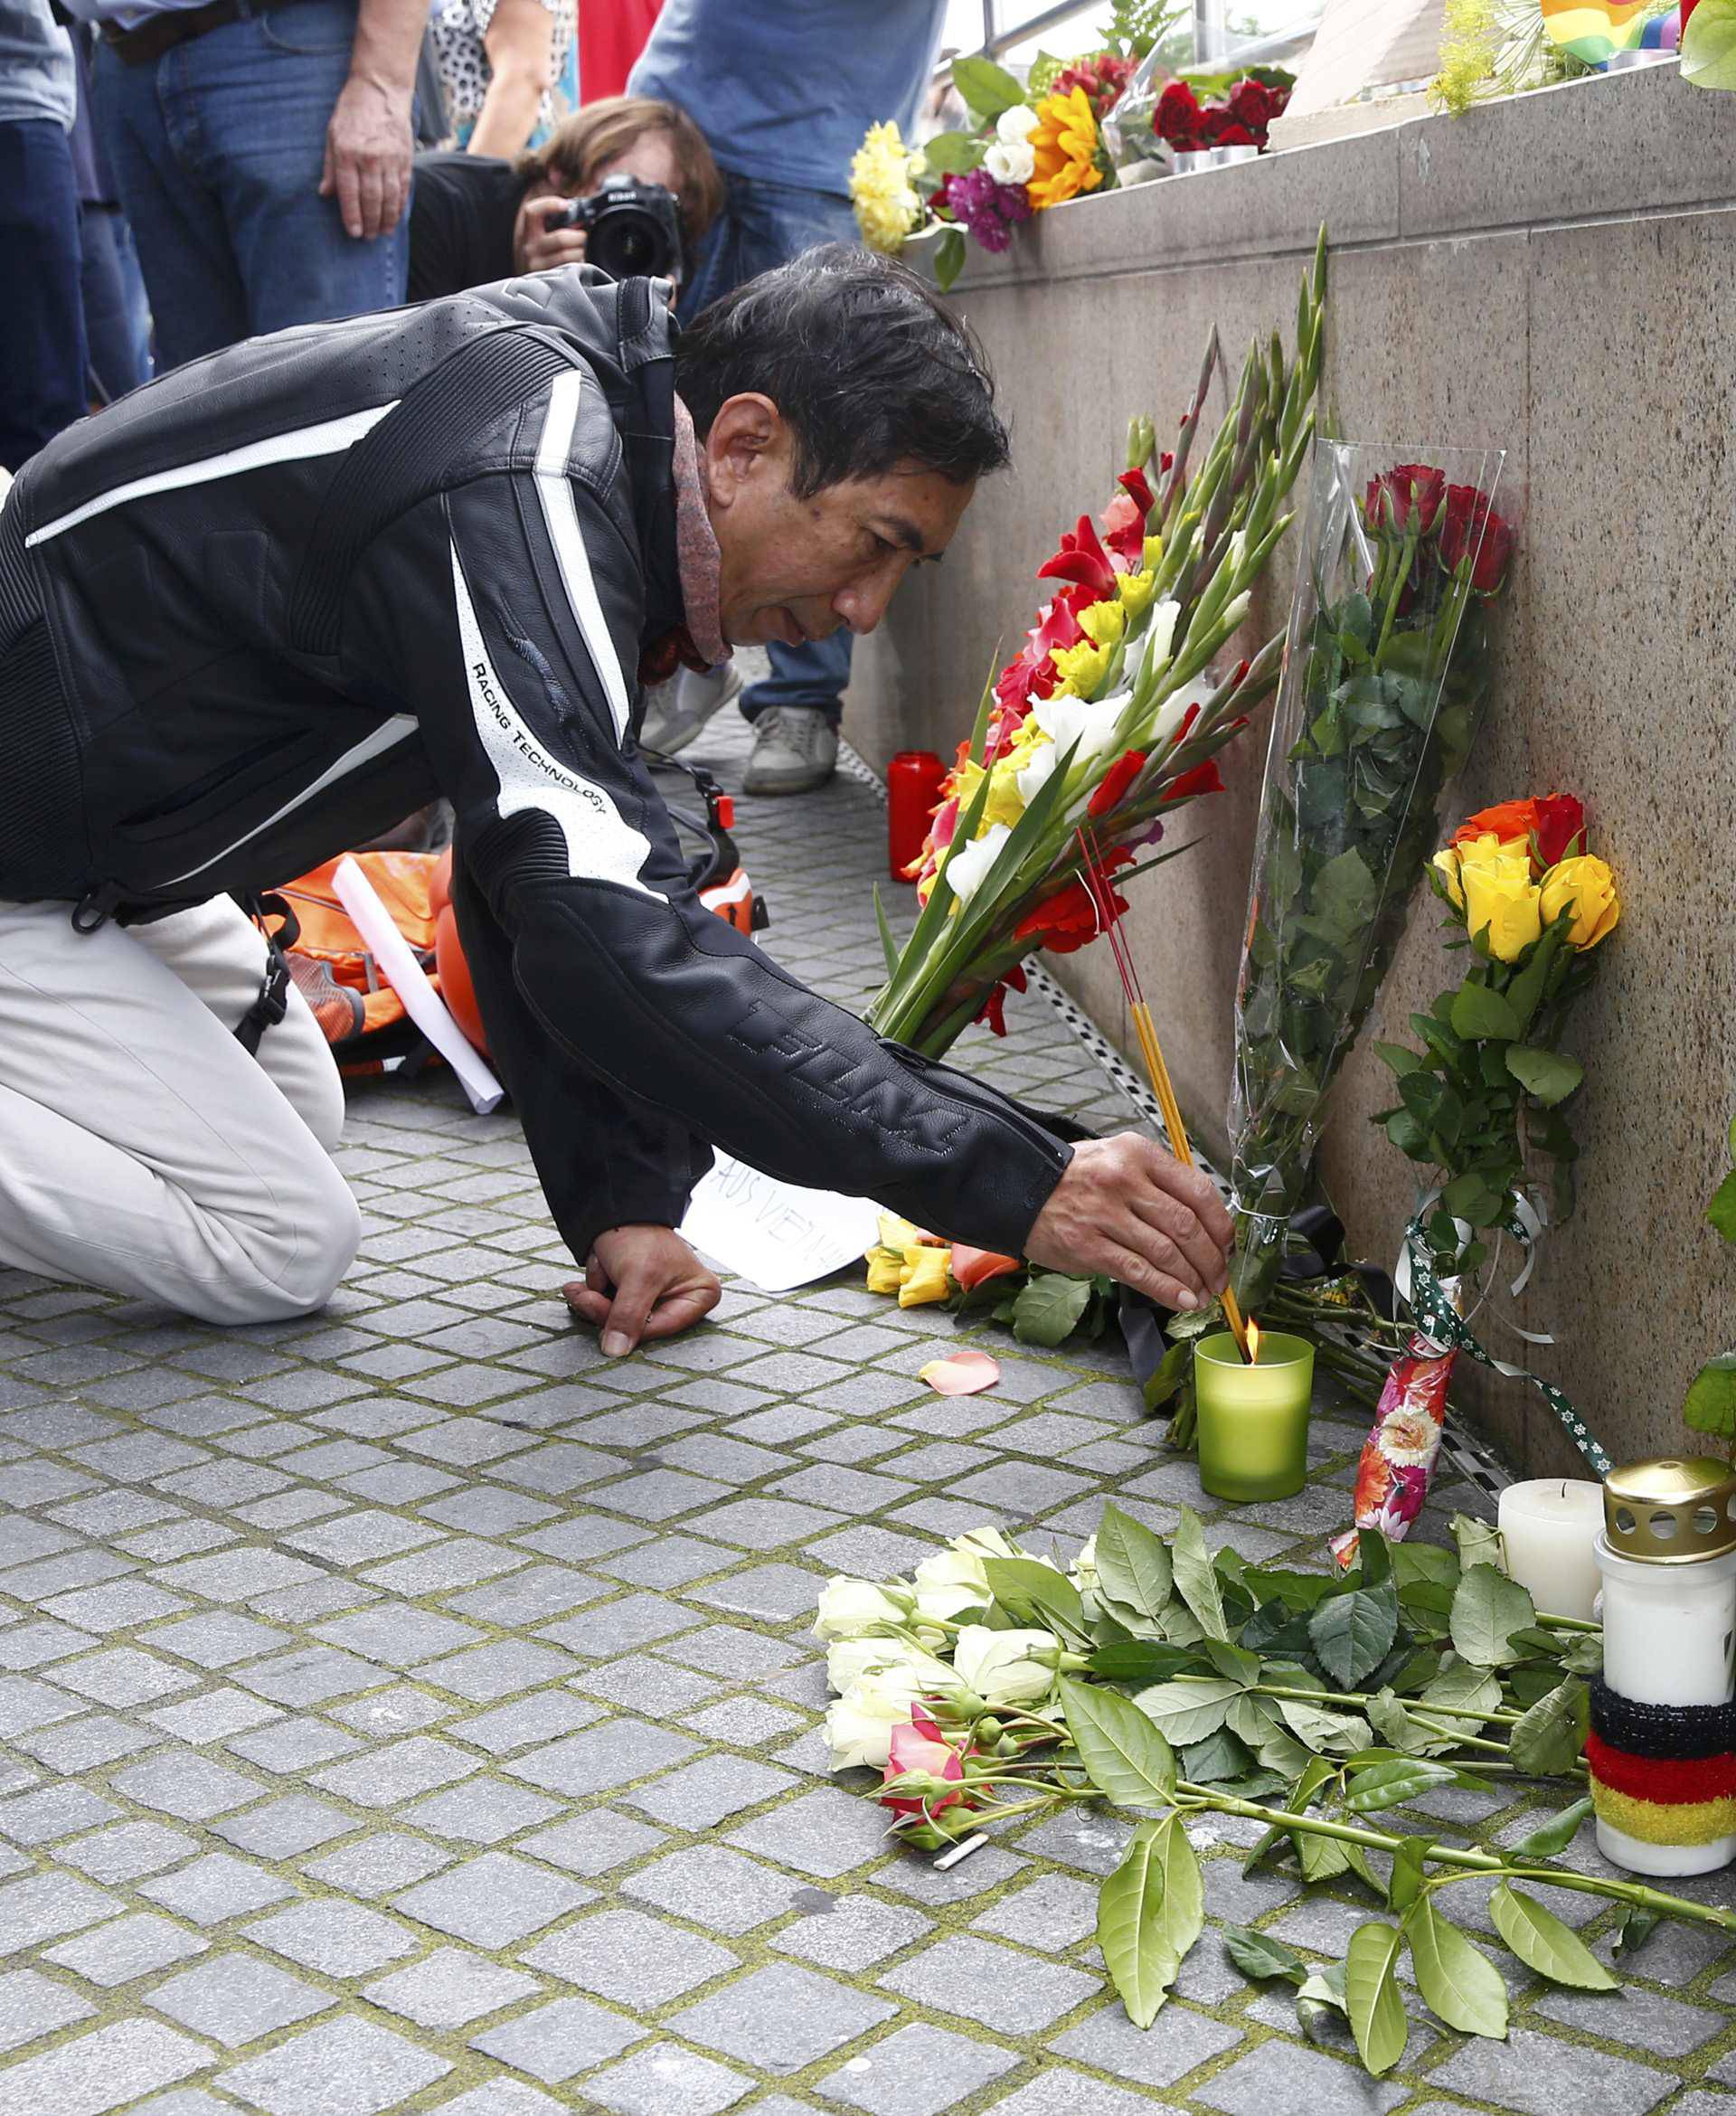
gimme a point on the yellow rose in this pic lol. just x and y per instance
(1446, 865)
(926, 1279)
(1587, 885)
(898, 1233)
(1500, 894)
(1104, 621)
(886, 1269)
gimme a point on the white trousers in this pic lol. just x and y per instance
(141, 1148)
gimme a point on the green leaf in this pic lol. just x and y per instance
(889, 947)
(1479, 1542)
(1709, 46)
(1196, 1578)
(1220, 1759)
(987, 89)
(1633, 1928)
(1390, 1785)
(1399, 1730)
(1371, 1995)
(1548, 1739)
(1320, 1998)
(1187, 1713)
(1538, 1937)
(1130, 1929)
(1340, 1733)
(1711, 1403)
(951, 154)
(1139, 1660)
(1133, 1564)
(1260, 1956)
(1352, 1633)
(1721, 1211)
(1176, 1367)
(1487, 1610)
(1480, 1012)
(1049, 1307)
(1124, 1756)
(1457, 1980)
(948, 258)
(1404, 1879)
(1400, 1057)
(1555, 1835)
(1028, 1591)
(1424, 1562)
(1549, 1076)
(1184, 1913)
(1466, 1688)
(1233, 1661)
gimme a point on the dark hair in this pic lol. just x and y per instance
(861, 359)
(581, 146)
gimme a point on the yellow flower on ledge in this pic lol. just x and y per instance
(886, 201)
(1065, 145)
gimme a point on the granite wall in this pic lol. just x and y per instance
(1555, 275)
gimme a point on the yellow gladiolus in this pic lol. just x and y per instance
(927, 1277)
(1136, 591)
(1587, 887)
(1154, 550)
(1104, 621)
(1501, 897)
(1081, 668)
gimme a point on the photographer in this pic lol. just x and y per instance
(428, 552)
(475, 219)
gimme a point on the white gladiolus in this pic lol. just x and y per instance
(1016, 125)
(1002, 1666)
(967, 867)
(1011, 161)
(1159, 634)
(1174, 709)
(1091, 724)
(851, 1608)
(1033, 777)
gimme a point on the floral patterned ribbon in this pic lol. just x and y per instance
(1437, 1318)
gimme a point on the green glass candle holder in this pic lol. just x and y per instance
(1253, 1421)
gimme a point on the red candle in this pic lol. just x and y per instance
(913, 780)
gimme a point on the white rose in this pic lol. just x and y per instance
(1014, 126)
(850, 1607)
(967, 867)
(1083, 1572)
(949, 1584)
(1002, 1666)
(859, 1724)
(1011, 161)
(981, 1543)
(849, 1661)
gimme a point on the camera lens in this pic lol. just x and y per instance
(626, 242)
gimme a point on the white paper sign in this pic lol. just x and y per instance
(776, 1234)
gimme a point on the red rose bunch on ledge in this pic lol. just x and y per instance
(1240, 119)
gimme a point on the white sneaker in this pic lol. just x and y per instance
(794, 749)
(676, 710)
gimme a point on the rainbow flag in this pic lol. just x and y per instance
(1590, 30)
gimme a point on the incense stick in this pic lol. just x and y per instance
(1103, 898)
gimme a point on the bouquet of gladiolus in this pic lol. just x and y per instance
(1385, 670)
(1109, 718)
(1483, 1099)
(1157, 1678)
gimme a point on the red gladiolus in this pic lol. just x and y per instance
(920, 1746)
(1124, 532)
(1116, 781)
(1407, 499)
(1134, 484)
(1471, 524)
(1204, 778)
(1070, 917)
(1082, 558)
(1188, 718)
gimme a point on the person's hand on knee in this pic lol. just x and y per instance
(640, 1282)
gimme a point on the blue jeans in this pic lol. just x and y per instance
(218, 147)
(42, 327)
(764, 225)
(116, 311)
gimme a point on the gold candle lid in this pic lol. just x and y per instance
(1671, 1510)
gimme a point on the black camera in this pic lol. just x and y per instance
(632, 230)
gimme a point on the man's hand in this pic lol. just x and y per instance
(1127, 1207)
(642, 1282)
(368, 149)
(537, 246)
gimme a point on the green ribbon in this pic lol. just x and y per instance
(1438, 1319)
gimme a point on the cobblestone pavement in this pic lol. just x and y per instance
(407, 1709)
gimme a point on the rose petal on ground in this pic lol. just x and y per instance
(963, 1374)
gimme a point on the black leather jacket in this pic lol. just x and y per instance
(260, 608)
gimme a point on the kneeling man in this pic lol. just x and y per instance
(256, 611)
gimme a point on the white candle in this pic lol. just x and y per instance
(1549, 1530)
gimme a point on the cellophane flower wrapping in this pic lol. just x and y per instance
(1386, 668)
(1110, 717)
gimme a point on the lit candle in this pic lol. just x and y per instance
(1549, 1530)
(1253, 1415)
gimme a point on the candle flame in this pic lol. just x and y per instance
(1253, 1342)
